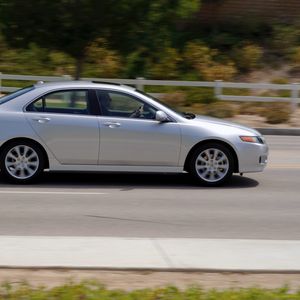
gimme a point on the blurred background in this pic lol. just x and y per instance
(230, 40)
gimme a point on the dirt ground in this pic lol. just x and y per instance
(129, 280)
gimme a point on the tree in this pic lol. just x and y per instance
(71, 26)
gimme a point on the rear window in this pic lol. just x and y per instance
(16, 94)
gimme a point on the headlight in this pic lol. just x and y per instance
(253, 139)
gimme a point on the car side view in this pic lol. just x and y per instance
(90, 126)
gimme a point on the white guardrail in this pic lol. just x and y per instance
(217, 85)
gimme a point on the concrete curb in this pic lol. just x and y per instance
(182, 254)
(158, 270)
(279, 131)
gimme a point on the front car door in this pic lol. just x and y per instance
(130, 135)
(66, 122)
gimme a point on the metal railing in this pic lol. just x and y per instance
(218, 86)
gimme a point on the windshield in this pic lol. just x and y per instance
(183, 114)
(16, 94)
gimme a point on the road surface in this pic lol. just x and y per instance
(257, 206)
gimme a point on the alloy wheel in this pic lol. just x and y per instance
(212, 165)
(22, 162)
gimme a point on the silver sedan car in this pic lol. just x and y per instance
(90, 126)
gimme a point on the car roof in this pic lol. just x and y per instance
(83, 84)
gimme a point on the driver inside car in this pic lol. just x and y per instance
(105, 104)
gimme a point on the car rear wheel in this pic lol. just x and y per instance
(212, 164)
(22, 161)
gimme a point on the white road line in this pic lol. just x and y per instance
(51, 193)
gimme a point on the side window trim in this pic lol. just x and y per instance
(101, 92)
(43, 103)
(91, 98)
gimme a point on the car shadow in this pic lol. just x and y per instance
(128, 181)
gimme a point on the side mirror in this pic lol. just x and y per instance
(161, 116)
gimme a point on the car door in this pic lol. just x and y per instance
(66, 122)
(130, 135)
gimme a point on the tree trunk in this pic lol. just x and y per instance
(79, 65)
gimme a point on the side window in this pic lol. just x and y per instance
(118, 104)
(65, 102)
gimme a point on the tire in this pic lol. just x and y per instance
(22, 161)
(212, 164)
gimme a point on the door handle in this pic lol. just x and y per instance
(42, 120)
(112, 124)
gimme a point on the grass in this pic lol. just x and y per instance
(94, 291)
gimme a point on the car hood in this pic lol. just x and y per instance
(217, 121)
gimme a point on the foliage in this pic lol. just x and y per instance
(248, 57)
(204, 62)
(34, 60)
(93, 290)
(71, 26)
(251, 108)
(215, 109)
(295, 57)
(221, 110)
(284, 38)
(175, 99)
(280, 113)
(68, 26)
(200, 95)
(201, 101)
(62, 63)
(218, 71)
(101, 61)
(280, 80)
(198, 55)
(275, 114)
(166, 65)
(158, 39)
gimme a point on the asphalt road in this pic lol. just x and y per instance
(257, 206)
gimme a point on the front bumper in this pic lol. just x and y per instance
(253, 157)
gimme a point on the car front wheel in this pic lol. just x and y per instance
(21, 162)
(212, 164)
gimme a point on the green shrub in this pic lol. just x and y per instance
(198, 55)
(203, 60)
(216, 109)
(163, 64)
(280, 80)
(221, 110)
(63, 64)
(95, 291)
(166, 66)
(251, 108)
(295, 57)
(248, 57)
(284, 38)
(278, 113)
(217, 71)
(200, 95)
(175, 99)
(101, 61)
(236, 92)
(198, 108)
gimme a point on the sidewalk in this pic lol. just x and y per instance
(149, 254)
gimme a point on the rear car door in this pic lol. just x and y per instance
(67, 123)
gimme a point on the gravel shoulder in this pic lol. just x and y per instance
(129, 280)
